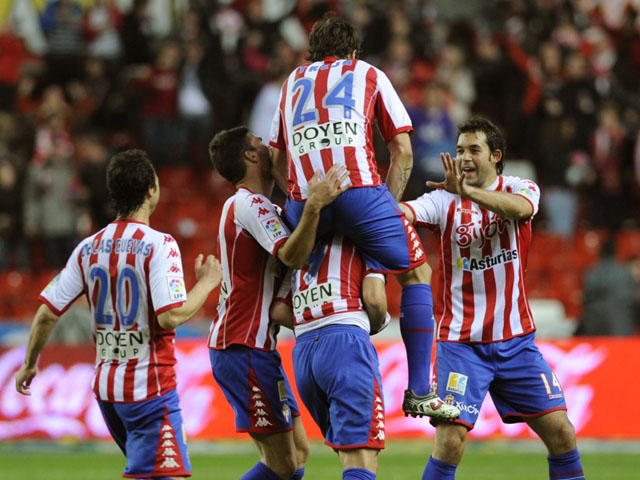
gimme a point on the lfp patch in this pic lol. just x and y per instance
(273, 227)
(177, 289)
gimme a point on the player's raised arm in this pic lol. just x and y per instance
(43, 322)
(208, 276)
(401, 164)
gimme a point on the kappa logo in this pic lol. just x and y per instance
(167, 427)
(255, 200)
(380, 435)
(168, 239)
(167, 435)
(457, 383)
(260, 413)
(175, 269)
(169, 452)
(173, 253)
(169, 463)
(263, 422)
(263, 211)
(167, 443)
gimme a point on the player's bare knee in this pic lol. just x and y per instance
(420, 274)
(449, 442)
(302, 453)
(285, 466)
(563, 439)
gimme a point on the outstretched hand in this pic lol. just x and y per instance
(453, 176)
(323, 192)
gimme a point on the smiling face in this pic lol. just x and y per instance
(477, 161)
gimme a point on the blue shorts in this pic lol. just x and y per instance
(338, 378)
(256, 387)
(514, 372)
(151, 436)
(371, 218)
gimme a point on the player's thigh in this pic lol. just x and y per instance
(463, 376)
(372, 219)
(256, 387)
(156, 442)
(346, 370)
(366, 458)
(525, 385)
(314, 398)
(114, 424)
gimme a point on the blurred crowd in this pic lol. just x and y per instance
(560, 77)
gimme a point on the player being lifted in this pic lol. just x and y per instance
(242, 341)
(326, 113)
(132, 277)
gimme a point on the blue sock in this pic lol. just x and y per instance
(299, 474)
(260, 472)
(566, 466)
(416, 328)
(358, 474)
(439, 470)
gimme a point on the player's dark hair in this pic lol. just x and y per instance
(332, 36)
(226, 150)
(130, 174)
(495, 138)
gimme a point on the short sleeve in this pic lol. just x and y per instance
(391, 114)
(428, 209)
(527, 189)
(65, 287)
(276, 134)
(258, 216)
(166, 277)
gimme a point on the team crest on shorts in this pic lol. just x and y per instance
(449, 399)
(457, 383)
(286, 412)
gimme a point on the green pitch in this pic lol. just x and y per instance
(400, 461)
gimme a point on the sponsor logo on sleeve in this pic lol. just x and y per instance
(50, 286)
(273, 227)
(457, 383)
(177, 289)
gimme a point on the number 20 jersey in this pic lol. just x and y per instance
(130, 273)
(325, 117)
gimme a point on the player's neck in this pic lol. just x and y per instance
(141, 215)
(257, 185)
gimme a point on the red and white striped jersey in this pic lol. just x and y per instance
(130, 274)
(250, 234)
(483, 258)
(328, 289)
(325, 116)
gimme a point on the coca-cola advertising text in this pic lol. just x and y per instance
(593, 373)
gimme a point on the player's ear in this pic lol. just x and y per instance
(251, 155)
(496, 156)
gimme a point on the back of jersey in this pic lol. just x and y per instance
(130, 273)
(325, 116)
